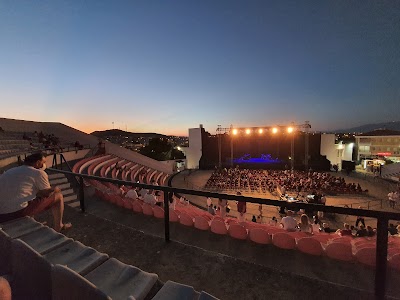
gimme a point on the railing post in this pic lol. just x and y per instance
(54, 161)
(381, 257)
(166, 215)
(81, 194)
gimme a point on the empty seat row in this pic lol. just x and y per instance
(45, 264)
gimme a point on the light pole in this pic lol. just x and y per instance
(290, 130)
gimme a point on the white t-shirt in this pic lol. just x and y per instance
(289, 223)
(131, 194)
(20, 185)
(143, 192)
(150, 199)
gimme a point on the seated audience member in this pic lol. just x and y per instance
(345, 231)
(362, 232)
(288, 222)
(371, 231)
(26, 191)
(211, 210)
(222, 207)
(241, 208)
(304, 224)
(326, 228)
(149, 198)
(392, 230)
(254, 219)
(142, 193)
(209, 201)
(360, 220)
(316, 226)
(273, 222)
(132, 194)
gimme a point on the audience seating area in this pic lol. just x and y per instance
(111, 166)
(12, 144)
(44, 264)
(235, 179)
(352, 249)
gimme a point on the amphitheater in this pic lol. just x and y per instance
(207, 257)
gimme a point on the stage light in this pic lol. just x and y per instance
(274, 130)
(290, 129)
(248, 131)
(235, 131)
(260, 131)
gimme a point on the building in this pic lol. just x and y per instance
(378, 145)
(336, 150)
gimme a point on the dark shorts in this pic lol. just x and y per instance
(34, 207)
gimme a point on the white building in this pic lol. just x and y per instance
(335, 151)
(193, 153)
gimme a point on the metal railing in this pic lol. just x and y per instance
(382, 217)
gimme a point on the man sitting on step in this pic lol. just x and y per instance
(26, 191)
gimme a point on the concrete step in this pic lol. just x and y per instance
(64, 186)
(56, 176)
(58, 181)
(74, 204)
(67, 192)
(70, 198)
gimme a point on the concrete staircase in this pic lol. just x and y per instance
(70, 197)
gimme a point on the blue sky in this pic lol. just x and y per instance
(166, 66)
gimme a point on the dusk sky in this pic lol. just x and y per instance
(166, 66)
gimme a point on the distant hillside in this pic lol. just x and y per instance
(118, 132)
(371, 127)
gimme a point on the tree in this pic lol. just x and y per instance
(160, 149)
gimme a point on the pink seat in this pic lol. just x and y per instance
(158, 212)
(119, 201)
(283, 240)
(310, 245)
(173, 216)
(299, 234)
(218, 218)
(137, 207)
(207, 216)
(394, 262)
(127, 203)
(218, 227)
(274, 230)
(339, 251)
(185, 219)
(237, 232)
(393, 251)
(342, 239)
(147, 209)
(323, 238)
(366, 256)
(259, 236)
(201, 223)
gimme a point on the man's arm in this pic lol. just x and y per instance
(47, 192)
